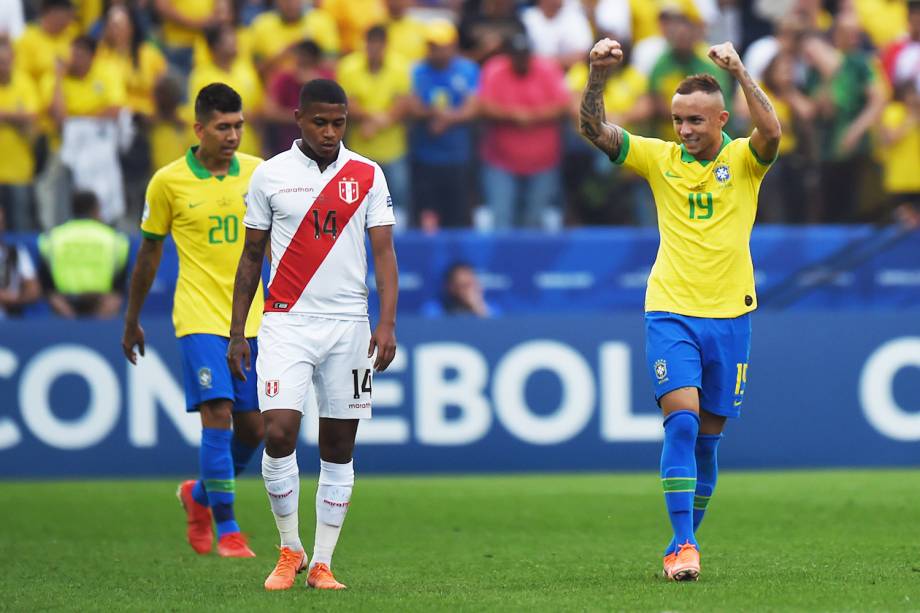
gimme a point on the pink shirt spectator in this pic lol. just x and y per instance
(523, 150)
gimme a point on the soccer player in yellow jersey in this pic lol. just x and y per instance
(701, 288)
(199, 200)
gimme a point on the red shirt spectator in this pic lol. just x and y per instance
(525, 106)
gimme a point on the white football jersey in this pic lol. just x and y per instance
(317, 222)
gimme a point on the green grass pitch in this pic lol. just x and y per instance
(804, 541)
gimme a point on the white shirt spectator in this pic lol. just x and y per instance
(567, 32)
(12, 21)
(646, 53)
(614, 18)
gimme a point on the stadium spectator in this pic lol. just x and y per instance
(461, 294)
(86, 103)
(225, 15)
(783, 193)
(900, 139)
(84, 262)
(283, 94)
(523, 99)
(19, 106)
(559, 30)
(378, 84)
(405, 32)
(682, 57)
(850, 99)
(277, 32)
(884, 21)
(444, 88)
(237, 71)
(485, 26)
(46, 42)
(18, 280)
(170, 135)
(181, 25)
(613, 18)
(354, 18)
(12, 19)
(901, 59)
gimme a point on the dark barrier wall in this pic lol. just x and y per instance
(517, 394)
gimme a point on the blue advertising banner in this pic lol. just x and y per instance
(513, 394)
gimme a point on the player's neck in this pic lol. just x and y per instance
(215, 166)
(322, 163)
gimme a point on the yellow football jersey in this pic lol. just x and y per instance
(706, 211)
(204, 213)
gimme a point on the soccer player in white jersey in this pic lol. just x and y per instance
(314, 202)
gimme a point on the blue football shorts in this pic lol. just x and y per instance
(706, 353)
(207, 375)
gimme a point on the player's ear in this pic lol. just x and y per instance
(199, 129)
(723, 118)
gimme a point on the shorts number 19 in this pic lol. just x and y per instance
(365, 382)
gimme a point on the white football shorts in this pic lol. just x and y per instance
(296, 351)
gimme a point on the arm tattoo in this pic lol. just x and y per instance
(592, 117)
(757, 92)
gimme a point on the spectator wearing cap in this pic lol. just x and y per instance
(559, 30)
(19, 106)
(444, 94)
(378, 84)
(84, 263)
(523, 101)
(405, 32)
(45, 43)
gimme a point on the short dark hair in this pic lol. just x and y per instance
(216, 97)
(699, 83)
(454, 268)
(308, 48)
(376, 32)
(86, 42)
(50, 5)
(212, 35)
(322, 90)
(84, 204)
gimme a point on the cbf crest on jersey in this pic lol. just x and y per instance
(348, 190)
(661, 370)
(722, 173)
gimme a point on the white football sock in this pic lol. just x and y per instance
(333, 495)
(282, 482)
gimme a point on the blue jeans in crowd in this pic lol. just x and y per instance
(503, 192)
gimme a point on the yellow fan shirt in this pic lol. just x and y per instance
(204, 214)
(706, 210)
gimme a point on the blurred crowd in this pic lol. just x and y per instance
(469, 107)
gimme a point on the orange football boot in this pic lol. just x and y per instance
(290, 563)
(321, 578)
(233, 545)
(199, 533)
(668, 562)
(687, 565)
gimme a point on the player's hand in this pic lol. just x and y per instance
(133, 335)
(725, 57)
(605, 53)
(384, 341)
(239, 357)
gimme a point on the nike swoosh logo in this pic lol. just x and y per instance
(671, 175)
(192, 205)
(738, 403)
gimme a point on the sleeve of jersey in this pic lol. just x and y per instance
(379, 202)
(635, 152)
(258, 208)
(755, 165)
(157, 217)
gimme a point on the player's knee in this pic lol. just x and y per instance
(682, 426)
(338, 451)
(250, 432)
(216, 414)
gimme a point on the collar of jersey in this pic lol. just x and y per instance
(685, 155)
(203, 173)
(311, 162)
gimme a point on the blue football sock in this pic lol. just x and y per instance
(241, 453)
(678, 472)
(217, 474)
(707, 472)
(199, 494)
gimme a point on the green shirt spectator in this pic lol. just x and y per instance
(84, 263)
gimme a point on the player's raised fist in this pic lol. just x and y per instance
(725, 57)
(605, 53)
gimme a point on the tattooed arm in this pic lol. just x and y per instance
(592, 120)
(767, 131)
